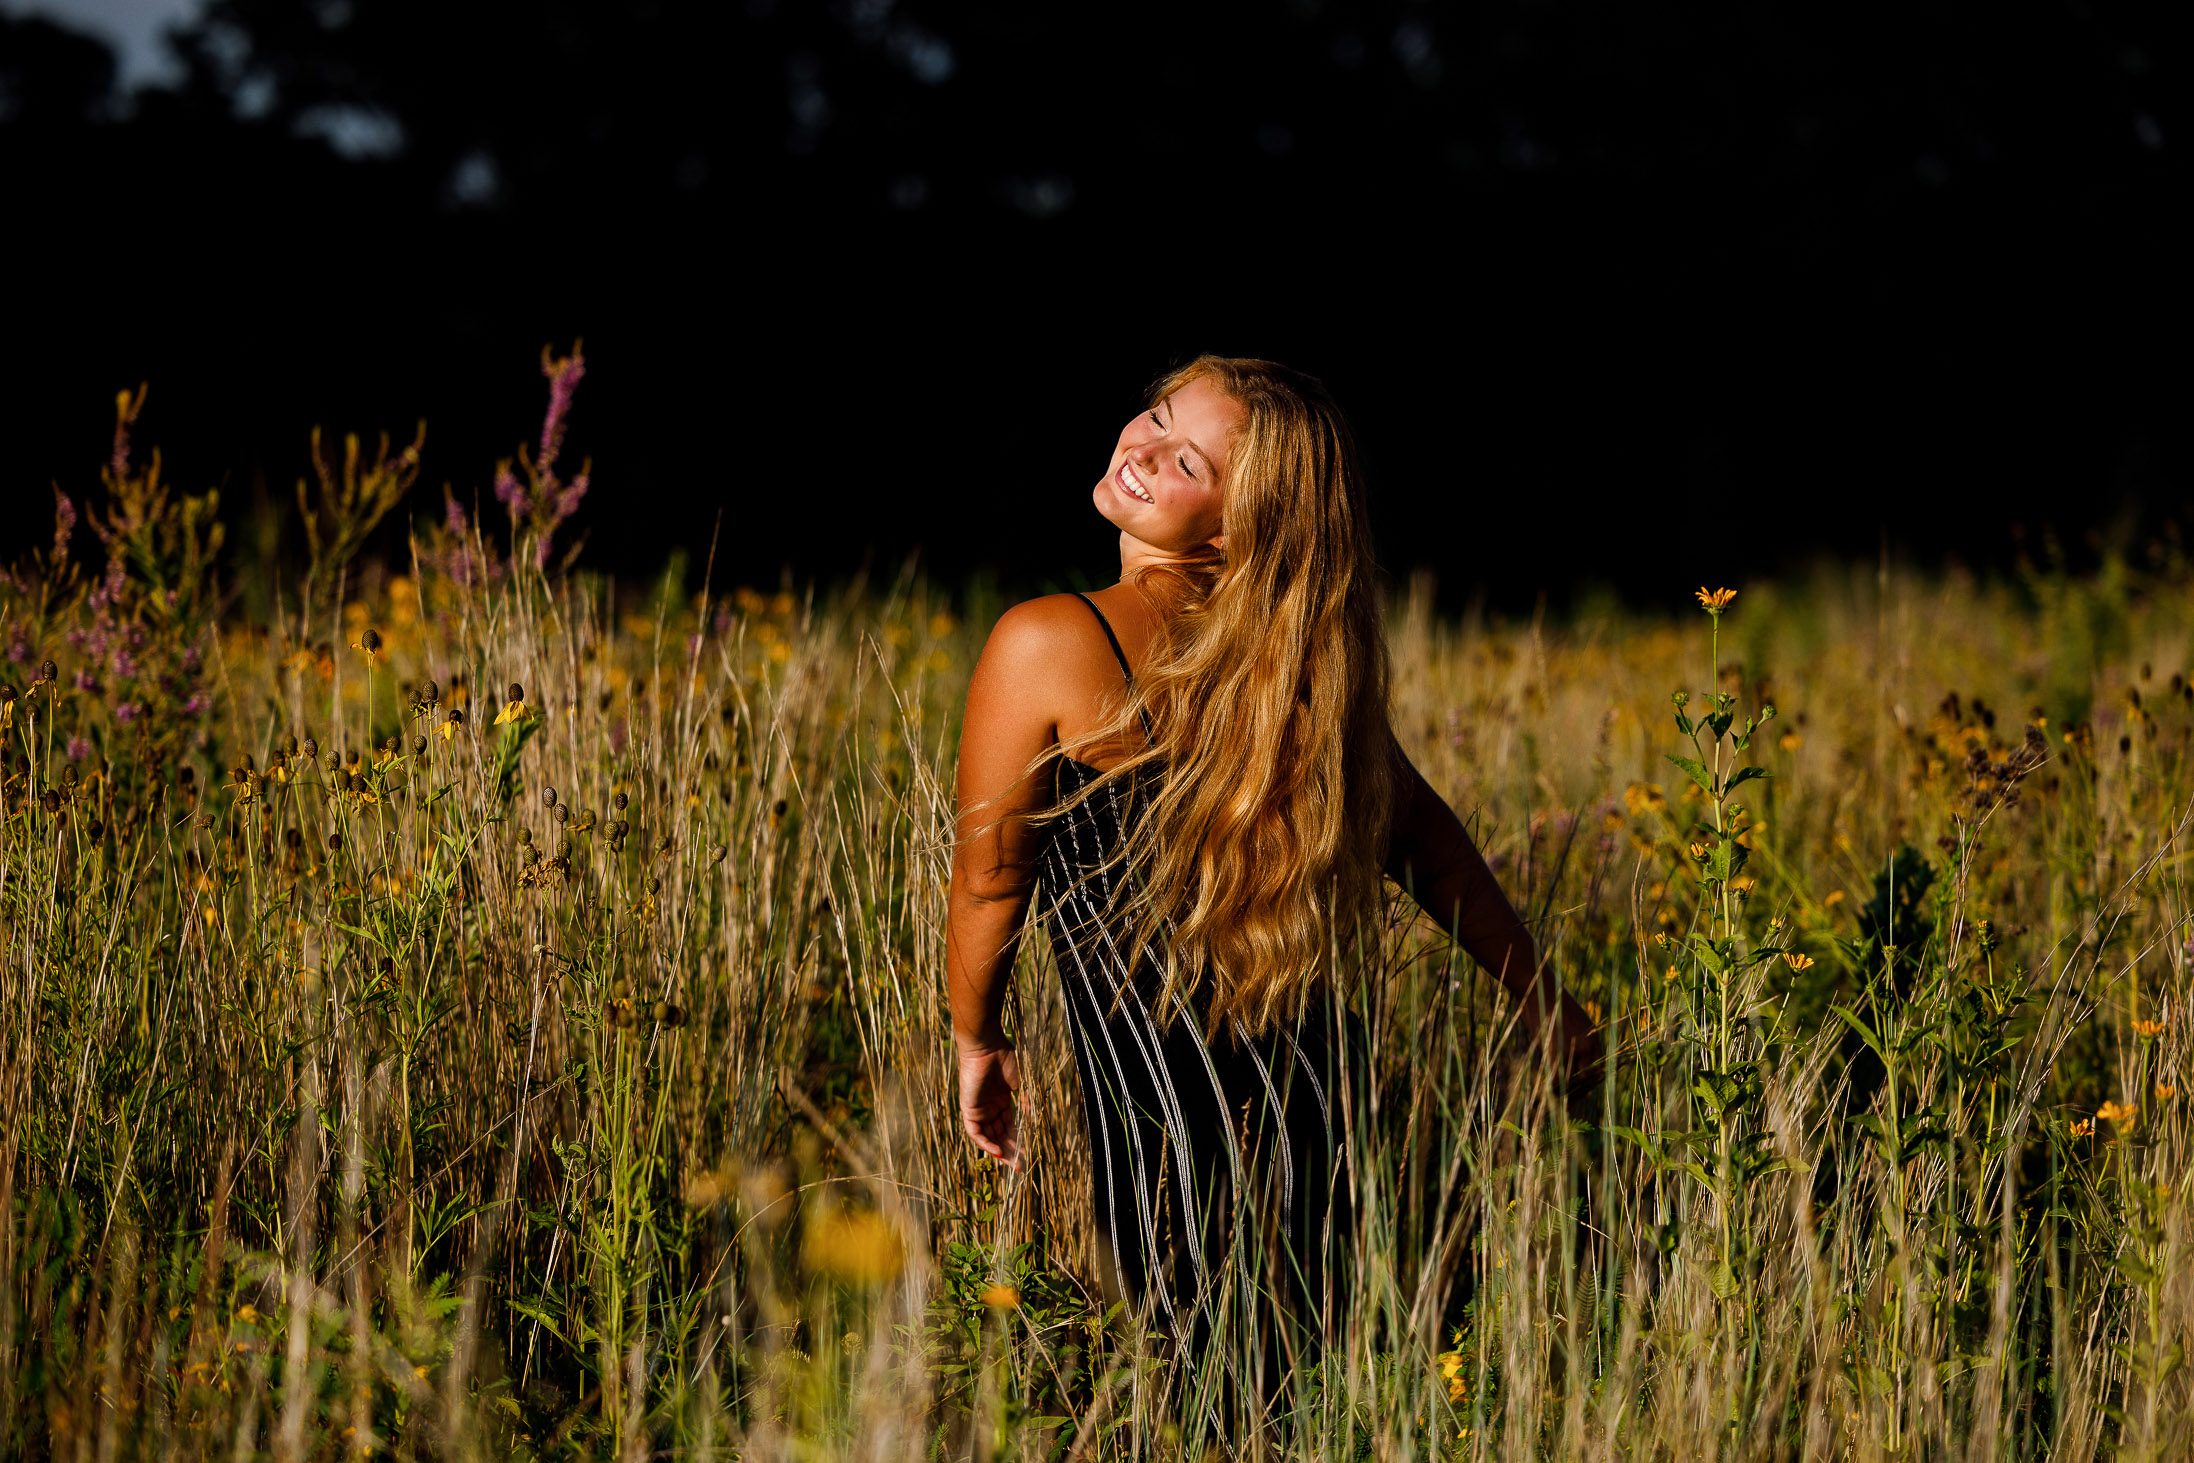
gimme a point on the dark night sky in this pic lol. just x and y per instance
(1630, 293)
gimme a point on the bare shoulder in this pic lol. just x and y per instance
(1051, 633)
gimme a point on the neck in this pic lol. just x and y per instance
(1135, 554)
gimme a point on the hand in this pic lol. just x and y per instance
(990, 1078)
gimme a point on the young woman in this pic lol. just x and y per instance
(1192, 769)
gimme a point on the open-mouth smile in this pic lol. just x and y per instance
(1132, 485)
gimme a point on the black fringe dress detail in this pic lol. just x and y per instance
(1218, 1166)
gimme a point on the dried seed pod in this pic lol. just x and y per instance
(7, 690)
(48, 671)
(562, 814)
(95, 828)
(311, 750)
(655, 886)
(668, 1014)
(52, 800)
(293, 838)
(716, 854)
(184, 777)
(418, 746)
(335, 841)
(525, 838)
(517, 692)
(68, 776)
(369, 640)
(429, 693)
(289, 746)
(548, 796)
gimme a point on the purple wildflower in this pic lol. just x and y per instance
(78, 749)
(125, 712)
(19, 651)
(568, 501)
(86, 681)
(454, 518)
(64, 524)
(563, 376)
(190, 657)
(509, 492)
(196, 705)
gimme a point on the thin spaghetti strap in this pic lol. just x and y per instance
(1116, 650)
(1119, 655)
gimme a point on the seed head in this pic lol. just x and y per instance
(517, 692)
(668, 1014)
(311, 750)
(335, 841)
(48, 671)
(562, 814)
(619, 800)
(429, 693)
(525, 838)
(548, 796)
(716, 854)
(418, 746)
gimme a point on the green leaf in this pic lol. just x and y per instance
(1722, 1281)
(1744, 775)
(1696, 771)
(1866, 1032)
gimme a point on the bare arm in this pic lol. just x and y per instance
(1011, 718)
(1431, 856)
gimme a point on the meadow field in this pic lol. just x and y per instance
(462, 1006)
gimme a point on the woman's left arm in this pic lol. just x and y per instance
(1432, 857)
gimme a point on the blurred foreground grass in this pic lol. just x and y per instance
(485, 1011)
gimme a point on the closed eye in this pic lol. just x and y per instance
(1185, 467)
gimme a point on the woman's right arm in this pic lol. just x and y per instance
(1011, 718)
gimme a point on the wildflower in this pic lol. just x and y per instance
(1698, 850)
(1791, 741)
(860, 1247)
(7, 704)
(450, 723)
(1797, 961)
(1714, 601)
(514, 708)
(2083, 1128)
(2118, 1114)
(1835, 897)
(368, 642)
(2165, 1091)
(2148, 1028)
(1002, 1298)
(1451, 1371)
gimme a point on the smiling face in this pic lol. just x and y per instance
(1162, 489)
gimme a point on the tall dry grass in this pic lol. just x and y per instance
(487, 1011)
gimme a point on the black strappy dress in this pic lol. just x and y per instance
(1218, 1165)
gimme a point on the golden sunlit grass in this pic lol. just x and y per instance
(521, 1034)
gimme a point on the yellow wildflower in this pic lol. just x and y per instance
(1714, 601)
(2083, 1128)
(451, 723)
(2165, 1092)
(2148, 1028)
(1797, 961)
(1002, 1298)
(2118, 1114)
(514, 707)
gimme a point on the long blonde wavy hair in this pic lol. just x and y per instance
(1261, 844)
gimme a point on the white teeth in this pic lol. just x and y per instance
(1131, 484)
